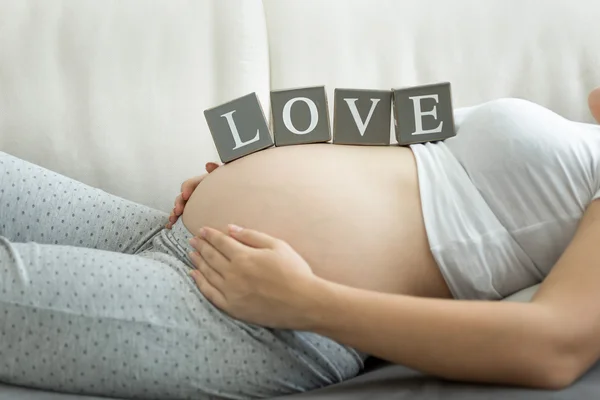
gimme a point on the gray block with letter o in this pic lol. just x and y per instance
(423, 113)
(238, 127)
(362, 116)
(300, 116)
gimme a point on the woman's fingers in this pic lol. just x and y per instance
(210, 255)
(172, 220)
(252, 238)
(209, 291)
(212, 275)
(179, 205)
(188, 187)
(222, 243)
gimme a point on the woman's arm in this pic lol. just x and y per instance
(492, 342)
(547, 343)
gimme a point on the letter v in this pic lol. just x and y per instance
(362, 126)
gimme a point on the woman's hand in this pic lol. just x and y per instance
(253, 277)
(187, 188)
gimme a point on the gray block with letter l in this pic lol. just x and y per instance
(362, 116)
(300, 116)
(238, 127)
(423, 113)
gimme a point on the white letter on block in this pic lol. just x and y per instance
(287, 115)
(419, 114)
(362, 126)
(236, 135)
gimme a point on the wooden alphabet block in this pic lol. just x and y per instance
(238, 127)
(423, 113)
(362, 116)
(300, 116)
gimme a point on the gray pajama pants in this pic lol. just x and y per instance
(95, 299)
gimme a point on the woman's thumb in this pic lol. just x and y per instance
(211, 166)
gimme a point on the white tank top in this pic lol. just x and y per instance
(503, 198)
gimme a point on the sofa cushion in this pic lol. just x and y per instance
(113, 93)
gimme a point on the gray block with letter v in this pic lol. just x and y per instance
(423, 113)
(362, 116)
(238, 127)
(300, 116)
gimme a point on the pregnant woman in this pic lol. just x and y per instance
(350, 250)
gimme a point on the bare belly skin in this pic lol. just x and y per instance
(352, 212)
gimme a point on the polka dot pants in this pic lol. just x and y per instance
(95, 299)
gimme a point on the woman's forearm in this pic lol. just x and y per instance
(494, 342)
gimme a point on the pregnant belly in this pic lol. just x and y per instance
(352, 212)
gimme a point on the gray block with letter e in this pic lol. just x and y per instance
(238, 127)
(300, 116)
(362, 116)
(423, 113)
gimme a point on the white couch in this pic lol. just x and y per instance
(112, 92)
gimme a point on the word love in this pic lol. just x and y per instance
(361, 117)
